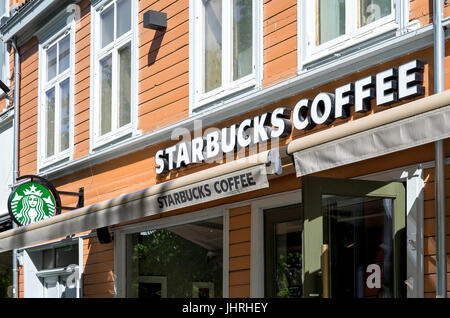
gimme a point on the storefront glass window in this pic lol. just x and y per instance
(288, 242)
(283, 252)
(179, 262)
(361, 246)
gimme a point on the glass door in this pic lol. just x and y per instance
(283, 252)
(354, 238)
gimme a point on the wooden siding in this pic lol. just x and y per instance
(280, 40)
(239, 257)
(98, 269)
(163, 66)
(163, 99)
(422, 10)
(28, 110)
(82, 82)
(430, 231)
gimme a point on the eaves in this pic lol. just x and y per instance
(29, 17)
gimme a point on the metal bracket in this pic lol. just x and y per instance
(79, 194)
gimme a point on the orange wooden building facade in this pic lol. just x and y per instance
(166, 85)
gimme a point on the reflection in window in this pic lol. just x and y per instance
(361, 245)
(288, 244)
(106, 94)
(227, 52)
(242, 38)
(331, 14)
(372, 10)
(178, 262)
(213, 44)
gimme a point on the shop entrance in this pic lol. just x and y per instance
(354, 234)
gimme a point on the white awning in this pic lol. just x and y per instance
(406, 126)
(225, 180)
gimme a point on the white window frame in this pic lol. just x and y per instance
(4, 71)
(97, 54)
(120, 234)
(353, 35)
(33, 282)
(196, 41)
(43, 86)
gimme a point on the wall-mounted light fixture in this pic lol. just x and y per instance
(155, 20)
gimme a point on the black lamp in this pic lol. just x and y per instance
(155, 20)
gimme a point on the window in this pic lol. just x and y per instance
(283, 252)
(4, 12)
(56, 97)
(333, 25)
(183, 261)
(115, 78)
(53, 272)
(225, 59)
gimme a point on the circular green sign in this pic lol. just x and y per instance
(31, 202)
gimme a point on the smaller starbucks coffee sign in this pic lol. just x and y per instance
(31, 202)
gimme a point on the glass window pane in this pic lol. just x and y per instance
(66, 255)
(3, 68)
(361, 246)
(242, 38)
(51, 62)
(125, 86)
(107, 26)
(288, 245)
(2, 7)
(64, 92)
(331, 16)
(123, 17)
(105, 95)
(64, 54)
(372, 10)
(50, 121)
(213, 45)
(179, 262)
(64, 290)
(48, 259)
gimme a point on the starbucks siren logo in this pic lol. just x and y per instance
(31, 202)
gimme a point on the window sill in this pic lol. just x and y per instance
(55, 160)
(220, 94)
(124, 133)
(336, 48)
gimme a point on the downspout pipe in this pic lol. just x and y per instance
(16, 152)
(441, 252)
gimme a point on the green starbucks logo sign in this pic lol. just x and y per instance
(31, 202)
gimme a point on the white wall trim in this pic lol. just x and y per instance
(257, 278)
